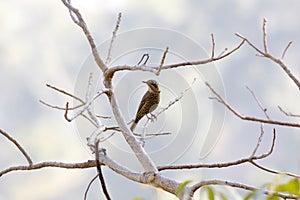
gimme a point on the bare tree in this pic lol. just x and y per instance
(152, 174)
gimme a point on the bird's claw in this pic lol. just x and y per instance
(152, 117)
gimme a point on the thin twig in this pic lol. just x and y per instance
(273, 171)
(103, 117)
(82, 165)
(222, 165)
(66, 112)
(246, 118)
(64, 92)
(205, 61)
(142, 67)
(285, 50)
(58, 107)
(88, 98)
(162, 60)
(250, 43)
(258, 103)
(151, 134)
(100, 174)
(265, 35)
(113, 37)
(88, 187)
(85, 107)
(172, 102)
(163, 109)
(15, 142)
(146, 55)
(213, 44)
(222, 52)
(289, 114)
(259, 140)
(269, 56)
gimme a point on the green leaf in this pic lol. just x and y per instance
(291, 187)
(223, 197)
(272, 198)
(181, 187)
(249, 195)
(210, 192)
(138, 198)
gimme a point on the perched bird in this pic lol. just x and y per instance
(149, 102)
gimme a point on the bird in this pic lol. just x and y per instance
(148, 103)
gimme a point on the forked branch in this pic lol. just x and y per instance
(265, 53)
(220, 99)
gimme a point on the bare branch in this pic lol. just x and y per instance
(258, 103)
(222, 165)
(85, 107)
(142, 67)
(273, 171)
(146, 55)
(246, 118)
(286, 48)
(289, 114)
(205, 61)
(15, 142)
(64, 92)
(162, 60)
(132, 141)
(58, 107)
(251, 44)
(259, 140)
(66, 113)
(172, 102)
(83, 165)
(114, 34)
(222, 52)
(100, 174)
(151, 134)
(77, 19)
(88, 187)
(265, 35)
(271, 57)
(213, 45)
(103, 117)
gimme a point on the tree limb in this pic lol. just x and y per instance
(15, 142)
(266, 54)
(77, 19)
(247, 118)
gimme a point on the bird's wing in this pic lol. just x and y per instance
(143, 101)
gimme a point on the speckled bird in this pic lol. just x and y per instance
(149, 102)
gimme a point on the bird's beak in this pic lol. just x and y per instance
(144, 82)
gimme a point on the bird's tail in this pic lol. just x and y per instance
(133, 126)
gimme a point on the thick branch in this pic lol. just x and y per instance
(81, 23)
(140, 153)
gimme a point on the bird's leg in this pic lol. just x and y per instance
(152, 117)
